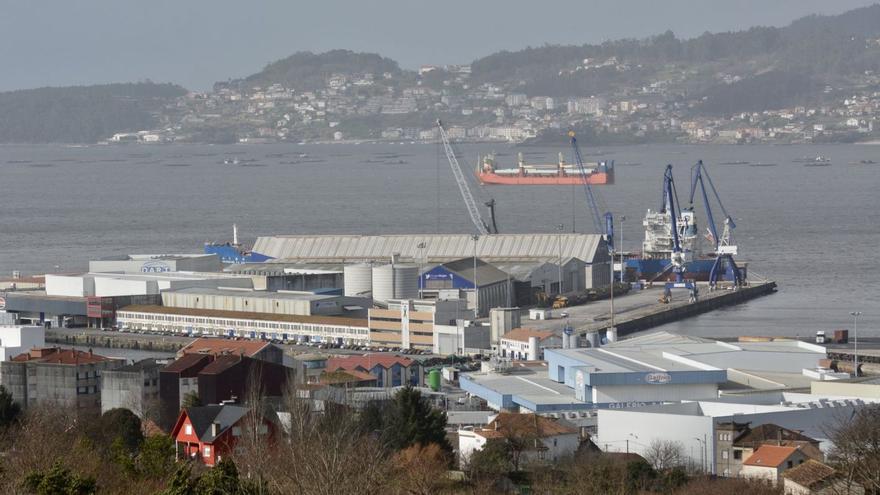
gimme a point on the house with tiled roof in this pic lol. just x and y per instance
(769, 462)
(68, 378)
(256, 349)
(207, 434)
(389, 370)
(541, 439)
(736, 442)
(527, 344)
(816, 478)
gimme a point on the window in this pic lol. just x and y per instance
(188, 429)
(236, 431)
(724, 454)
(738, 454)
(789, 464)
(207, 452)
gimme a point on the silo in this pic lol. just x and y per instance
(406, 281)
(357, 279)
(383, 282)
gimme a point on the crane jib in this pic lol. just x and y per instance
(466, 195)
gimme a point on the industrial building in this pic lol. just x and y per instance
(487, 287)
(289, 276)
(699, 425)
(203, 322)
(37, 307)
(134, 387)
(527, 343)
(157, 263)
(137, 284)
(63, 377)
(650, 369)
(277, 303)
(409, 324)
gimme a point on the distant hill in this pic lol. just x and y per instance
(81, 114)
(309, 71)
(816, 48)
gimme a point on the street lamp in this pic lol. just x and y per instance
(421, 247)
(620, 247)
(855, 315)
(704, 461)
(560, 228)
(476, 238)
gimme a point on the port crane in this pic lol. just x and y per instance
(605, 228)
(724, 249)
(482, 226)
(677, 258)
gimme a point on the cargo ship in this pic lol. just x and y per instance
(655, 260)
(561, 174)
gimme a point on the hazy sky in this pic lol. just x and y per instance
(197, 42)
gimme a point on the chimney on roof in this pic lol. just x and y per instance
(779, 436)
(215, 429)
(90, 351)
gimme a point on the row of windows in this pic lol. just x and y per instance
(254, 325)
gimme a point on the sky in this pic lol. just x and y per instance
(197, 42)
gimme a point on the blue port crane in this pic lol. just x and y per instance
(724, 249)
(605, 228)
(677, 258)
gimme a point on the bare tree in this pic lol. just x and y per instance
(664, 455)
(420, 470)
(856, 448)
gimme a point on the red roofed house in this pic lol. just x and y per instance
(206, 434)
(66, 377)
(544, 439)
(256, 349)
(770, 461)
(814, 477)
(519, 343)
(389, 370)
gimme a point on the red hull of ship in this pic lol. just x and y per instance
(597, 178)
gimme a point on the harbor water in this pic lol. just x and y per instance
(812, 229)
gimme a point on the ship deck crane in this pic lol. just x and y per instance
(481, 225)
(606, 228)
(724, 250)
(677, 258)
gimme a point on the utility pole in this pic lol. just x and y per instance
(855, 315)
(560, 227)
(476, 238)
(622, 270)
(611, 286)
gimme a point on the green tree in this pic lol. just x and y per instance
(59, 481)
(181, 482)
(9, 409)
(222, 479)
(492, 461)
(123, 425)
(156, 457)
(191, 399)
(411, 419)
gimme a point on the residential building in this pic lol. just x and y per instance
(542, 439)
(134, 387)
(770, 461)
(256, 349)
(50, 375)
(207, 434)
(736, 442)
(816, 478)
(15, 339)
(389, 370)
(527, 343)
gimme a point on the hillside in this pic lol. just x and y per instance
(309, 71)
(81, 114)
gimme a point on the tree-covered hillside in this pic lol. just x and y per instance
(81, 114)
(309, 71)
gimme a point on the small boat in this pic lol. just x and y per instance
(759, 164)
(231, 161)
(738, 162)
(815, 159)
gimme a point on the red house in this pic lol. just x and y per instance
(208, 433)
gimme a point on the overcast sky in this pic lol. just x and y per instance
(198, 42)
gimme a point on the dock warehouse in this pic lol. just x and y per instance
(252, 301)
(196, 322)
(158, 263)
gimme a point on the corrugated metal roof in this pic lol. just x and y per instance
(439, 248)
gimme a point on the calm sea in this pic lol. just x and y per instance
(815, 230)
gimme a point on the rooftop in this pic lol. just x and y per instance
(243, 315)
(56, 355)
(523, 334)
(486, 274)
(769, 456)
(217, 347)
(260, 294)
(202, 418)
(513, 425)
(367, 361)
(810, 473)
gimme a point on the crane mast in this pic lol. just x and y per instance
(588, 192)
(724, 250)
(466, 195)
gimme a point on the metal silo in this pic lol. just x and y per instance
(406, 281)
(383, 282)
(357, 279)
